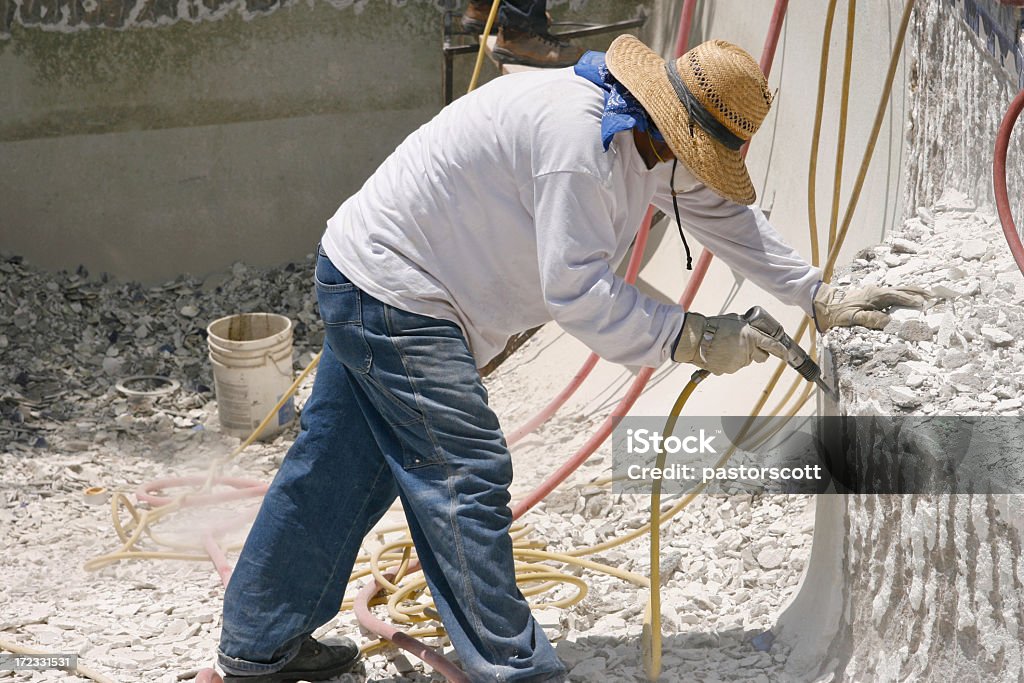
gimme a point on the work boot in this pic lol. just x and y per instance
(474, 18)
(314, 662)
(535, 49)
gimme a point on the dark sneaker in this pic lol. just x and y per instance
(314, 662)
(474, 18)
(535, 49)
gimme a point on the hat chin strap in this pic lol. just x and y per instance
(675, 208)
(698, 114)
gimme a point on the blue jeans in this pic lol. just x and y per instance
(397, 409)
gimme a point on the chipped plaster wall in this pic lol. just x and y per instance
(966, 65)
(927, 585)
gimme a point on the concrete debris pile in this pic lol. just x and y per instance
(67, 340)
(964, 354)
(729, 562)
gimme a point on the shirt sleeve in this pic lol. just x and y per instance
(576, 240)
(742, 237)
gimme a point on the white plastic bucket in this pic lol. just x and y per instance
(251, 355)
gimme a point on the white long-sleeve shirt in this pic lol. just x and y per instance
(504, 212)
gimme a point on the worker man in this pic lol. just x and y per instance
(511, 208)
(524, 35)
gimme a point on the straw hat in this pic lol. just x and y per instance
(706, 107)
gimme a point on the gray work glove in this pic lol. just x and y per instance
(863, 306)
(722, 344)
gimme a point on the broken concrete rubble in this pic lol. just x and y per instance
(908, 574)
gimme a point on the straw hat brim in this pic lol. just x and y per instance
(643, 73)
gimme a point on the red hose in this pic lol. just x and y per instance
(243, 488)
(999, 180)
(620, 411)
(399, 638)
(771, 41)
(682, 43)
(767, 57)
(685, 24)
(632, 270)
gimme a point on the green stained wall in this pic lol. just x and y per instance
(177, 145)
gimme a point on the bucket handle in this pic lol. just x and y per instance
(290, 373)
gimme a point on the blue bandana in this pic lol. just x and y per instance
(622, 111)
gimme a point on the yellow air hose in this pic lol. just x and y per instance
(651, 639)
(533, 564)
(483, 42)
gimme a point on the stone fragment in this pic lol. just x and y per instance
(112, 366)
(996, 336)
(859, 350)
(973, 250)
(592, 669)
(571, 653)
(954, 200)
(926, 216)
(1008, 404)
(904, 397)
(902, 315)
(955, 359)
(915, 331)
(900, 245)
(771, 557)
(402, 664)
(947, 326)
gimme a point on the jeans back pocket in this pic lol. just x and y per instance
(341, 310)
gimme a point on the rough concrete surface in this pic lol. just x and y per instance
(925, 587)
(963, 72)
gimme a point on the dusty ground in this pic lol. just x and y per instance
(729, 562)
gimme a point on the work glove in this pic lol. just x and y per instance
(863, 306)
(722, 344)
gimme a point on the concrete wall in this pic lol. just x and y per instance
(779, 156)
(199, 134)
(924, 585)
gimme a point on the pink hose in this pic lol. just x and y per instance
(399, 638)
(220, 561)
(243, 488)
(620, 411)
(362, 611)
(685, 25)
(632, 270)
(999, 180)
